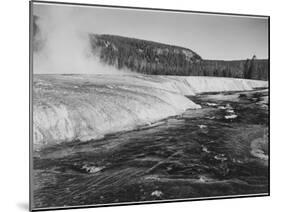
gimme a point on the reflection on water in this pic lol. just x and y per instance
(219, 150)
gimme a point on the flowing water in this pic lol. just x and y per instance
(218, 150)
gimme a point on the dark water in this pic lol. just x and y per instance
(219, 150)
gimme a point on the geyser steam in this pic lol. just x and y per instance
(63, 45)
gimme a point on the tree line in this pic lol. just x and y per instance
(154, 58)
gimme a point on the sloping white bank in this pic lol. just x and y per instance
(84, 107)
(196, 85)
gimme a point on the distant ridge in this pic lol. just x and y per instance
(142, 55)
(149, 57)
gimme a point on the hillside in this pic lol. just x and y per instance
(149, 57)
(142, 56)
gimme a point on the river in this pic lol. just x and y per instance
(219, 150)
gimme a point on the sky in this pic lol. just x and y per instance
(219, 37)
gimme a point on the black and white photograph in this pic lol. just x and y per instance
(138, 105)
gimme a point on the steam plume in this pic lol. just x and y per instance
(63, 45)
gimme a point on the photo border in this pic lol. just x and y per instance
(31, 208)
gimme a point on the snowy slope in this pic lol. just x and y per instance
(84, 107)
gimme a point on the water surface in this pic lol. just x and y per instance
(219, 150)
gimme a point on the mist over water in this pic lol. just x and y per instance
(63, 43)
